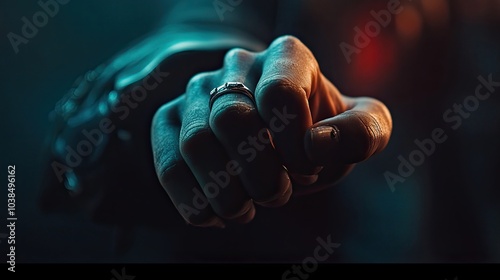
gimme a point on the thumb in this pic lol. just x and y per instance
(352, 136)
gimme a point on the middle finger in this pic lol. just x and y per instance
(237, 125)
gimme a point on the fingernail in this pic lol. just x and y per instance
(321, 142)
(218, 223)
(304, 180)
(279, 199)
(247, 217)
(332, 132)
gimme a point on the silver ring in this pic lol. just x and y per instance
(230, 87)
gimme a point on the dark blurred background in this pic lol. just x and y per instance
(427, 59)
(80, 37)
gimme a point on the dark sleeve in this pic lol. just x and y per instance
(98, 155)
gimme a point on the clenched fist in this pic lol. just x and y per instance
(298, 134)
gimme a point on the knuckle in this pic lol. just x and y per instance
(292, 52)
(199, 81)
(279, 88)
(289, 42)
(237, 56)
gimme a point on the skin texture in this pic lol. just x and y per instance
(304, 135)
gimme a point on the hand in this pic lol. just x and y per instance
(301, 132)
(103, 180)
